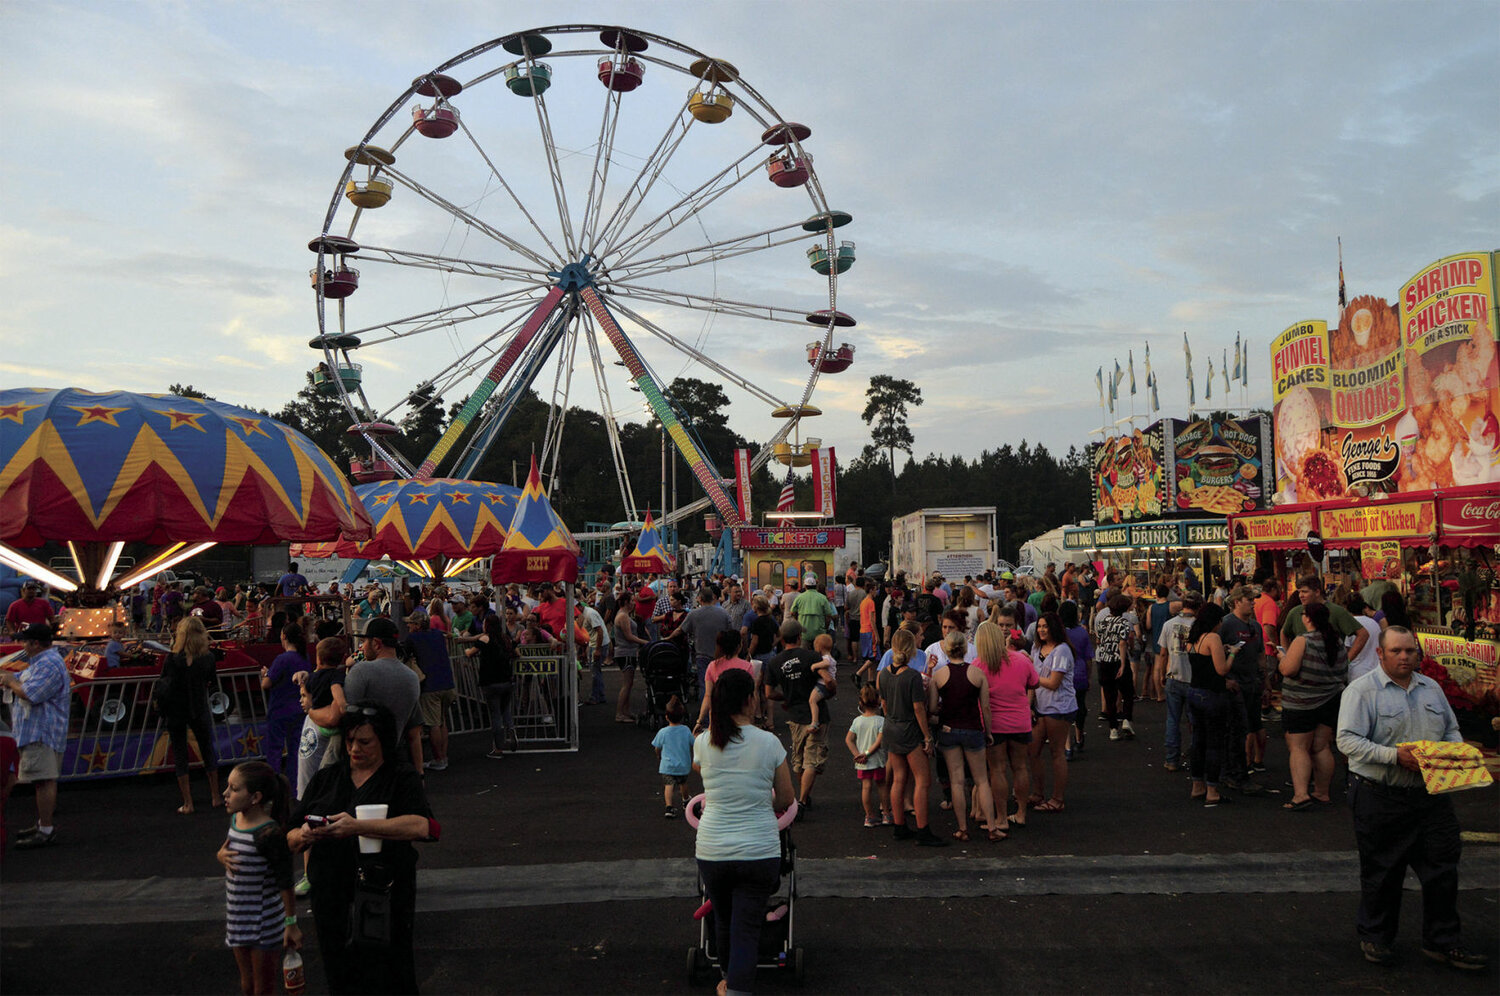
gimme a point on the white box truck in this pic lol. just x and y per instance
(952, 542)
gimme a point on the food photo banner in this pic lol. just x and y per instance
(1217, 466)
(1126, 476)
(1394, 397)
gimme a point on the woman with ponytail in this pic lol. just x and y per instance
(1314, 671)
(745, 781)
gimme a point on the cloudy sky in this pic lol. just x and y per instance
(1037, 188)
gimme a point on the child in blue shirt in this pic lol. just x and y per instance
(674, 755)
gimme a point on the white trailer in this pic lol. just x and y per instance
(953, 542)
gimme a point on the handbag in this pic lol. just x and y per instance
(370, 910)
(167, 688)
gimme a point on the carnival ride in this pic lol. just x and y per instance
(629, 189)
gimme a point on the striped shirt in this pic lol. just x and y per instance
(1317, 681)
(253, 909)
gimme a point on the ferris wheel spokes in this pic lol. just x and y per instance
(554, 171)
(611, 425)
(713, 252)
(452, 264)
(716, 305)
(451, 316)
(593, 203)
(650, 171)
(508, 189)
(697, 355)
(467, 217)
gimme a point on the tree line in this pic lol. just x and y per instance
(1033, 490)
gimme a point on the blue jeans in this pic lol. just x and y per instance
(596, 692)
(1210, 729)
(739, 890)
(1177, 699)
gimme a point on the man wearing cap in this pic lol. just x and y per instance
(702, 627)
(381, 677)
(789, 679)
(28, 609)
(813, 610)
(40, 715)
(1173, 657)
(205, 608)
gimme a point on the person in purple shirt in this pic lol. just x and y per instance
(283, 704)
(291, 583)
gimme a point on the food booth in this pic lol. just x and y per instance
(1149, 548)
(781, 557)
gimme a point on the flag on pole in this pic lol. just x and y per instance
(823, 480)
(1148, 363)
(1192, 391)
(1224, 369)
(1151, 386)
(787, 499)
(1245, 366)
(1208, 389)
(1099, 383)
(1236, 356)
(1187, 351)
(1130, 355)
(1343, 298)
(742, 482)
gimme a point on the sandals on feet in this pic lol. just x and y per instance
(997, 835)
(1050, 806)
(1297, 807)
(961, 835)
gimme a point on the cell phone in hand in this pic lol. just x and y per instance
(316, 821)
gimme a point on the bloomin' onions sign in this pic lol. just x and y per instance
(1394, 397)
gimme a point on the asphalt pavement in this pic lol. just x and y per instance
(558, 874)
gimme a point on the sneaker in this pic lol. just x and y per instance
(1464, 961)
(871, 821)
(1103, 718)
(303, 886)
(1171, 766)
(670, 813)
(1256, 769)
(1249, 786)
(436, 765)
(495, 755)
(1068, 753)
(885, 820)
(1126, 730)
(1378, 954)
(30, 831)
(926, 838)
(1114, 734)
(903, 832)
(37, 839)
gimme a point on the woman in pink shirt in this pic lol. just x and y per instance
(1010, 676)
(727, 644)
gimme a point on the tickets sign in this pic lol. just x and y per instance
(1378, 520)
(790, 539)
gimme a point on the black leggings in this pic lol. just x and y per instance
(203, 730)
(1117, 679)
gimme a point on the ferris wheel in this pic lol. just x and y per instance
(586, 212)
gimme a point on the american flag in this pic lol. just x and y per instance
(787, 499)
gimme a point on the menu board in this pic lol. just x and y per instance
(1127, 478)
(1215, 465)
(1392, 398)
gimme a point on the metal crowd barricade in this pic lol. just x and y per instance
(544, 700)
(113, 731)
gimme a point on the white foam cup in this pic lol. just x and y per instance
(373, 811)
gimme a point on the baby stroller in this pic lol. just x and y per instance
(667, 671)
(778, 948)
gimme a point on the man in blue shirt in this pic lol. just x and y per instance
(291, 583)
(40, 714)
(1396, 822)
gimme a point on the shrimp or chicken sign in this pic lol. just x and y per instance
(1393, 398)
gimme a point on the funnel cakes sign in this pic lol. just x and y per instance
(1395, 397)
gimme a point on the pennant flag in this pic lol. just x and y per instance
(787, 499)
(1099, 383)
(1208, 389)
(1224, 369)
(1192, 391)
(1245, 365)
(1148, 361)
(1151, 386)
(1130, 357)
(742, 482)
(1343, 298)
(1236, 356)
(1187, 351)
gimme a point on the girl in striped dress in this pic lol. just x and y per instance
(261, 913)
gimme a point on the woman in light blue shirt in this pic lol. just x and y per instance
(745, 781)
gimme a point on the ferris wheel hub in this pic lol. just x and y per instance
(575, 276)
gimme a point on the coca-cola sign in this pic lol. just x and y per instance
(1469, 521)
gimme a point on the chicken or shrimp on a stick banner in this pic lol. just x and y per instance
(1392, 398)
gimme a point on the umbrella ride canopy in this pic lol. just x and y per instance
(115, 467)
(538, 547)
(649, 556)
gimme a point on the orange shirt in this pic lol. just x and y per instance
(1267, 612)
(867, 615)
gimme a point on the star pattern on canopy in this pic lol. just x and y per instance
(16, 412)
(180, 419)
(413, 521)
(97, 413)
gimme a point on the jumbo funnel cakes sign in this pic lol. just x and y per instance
(1395, 397)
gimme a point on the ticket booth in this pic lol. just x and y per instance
(782, 558)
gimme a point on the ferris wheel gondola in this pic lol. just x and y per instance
(584, 239)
